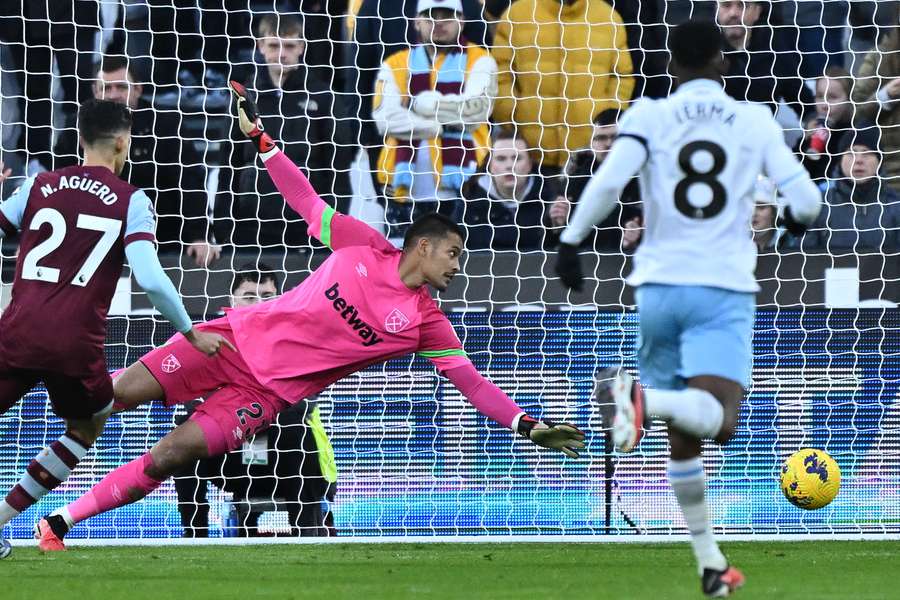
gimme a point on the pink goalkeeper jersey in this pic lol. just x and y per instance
(352, 312)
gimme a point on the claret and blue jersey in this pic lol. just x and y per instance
(75, 224)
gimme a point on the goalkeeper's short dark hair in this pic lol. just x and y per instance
(694, 44)
(433, 225)
(255, 273)
(99, 119)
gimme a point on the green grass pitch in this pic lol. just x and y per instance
(812, 570)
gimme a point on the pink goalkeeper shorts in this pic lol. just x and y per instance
(236, 405)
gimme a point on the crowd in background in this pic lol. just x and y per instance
(493, 112)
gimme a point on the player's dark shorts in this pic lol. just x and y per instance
(72, 397)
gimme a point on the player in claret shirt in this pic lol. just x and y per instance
(77, 226)
(367, 303)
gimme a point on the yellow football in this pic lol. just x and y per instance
(810, 479)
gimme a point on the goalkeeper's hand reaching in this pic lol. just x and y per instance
(559, 436)
(248, 118)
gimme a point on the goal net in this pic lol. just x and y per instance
(400, 453)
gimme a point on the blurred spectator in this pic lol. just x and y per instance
(877, 98)
(679, 11)
(767, 236)
(327, 49)
(860, 211)
(39, 33)
(291, 462)
(172, 42)
(869, 21)
(763, 66)
(580, 169)
(560, 63)
(432, 103)
(834, 115)
(511, 207)
(494, 9)
(381, 29)
(821, 28)
(181, 41)
(309, 122)
(646, 30)
(161, 163)
(252, 285)
(11, 119)
(631, 233)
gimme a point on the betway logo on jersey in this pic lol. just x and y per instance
(349, 313)
(85, 184)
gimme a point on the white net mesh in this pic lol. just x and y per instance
(412, 457)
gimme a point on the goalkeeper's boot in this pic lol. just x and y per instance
(5, 547)
(623, 399)
(50, 532)
(721, 584)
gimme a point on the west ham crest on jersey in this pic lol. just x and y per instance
(396, 321)
(170, 364)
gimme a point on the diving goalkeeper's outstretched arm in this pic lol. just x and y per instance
(325, 224)
(493, 402)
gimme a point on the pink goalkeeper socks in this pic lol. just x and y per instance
(129, 483)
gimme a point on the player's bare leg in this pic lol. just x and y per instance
(688, 482)
(730, 394)
(182, 446)
(87, 430)
(51, 467)
(11, 390)
(706, 409)
(135, 386)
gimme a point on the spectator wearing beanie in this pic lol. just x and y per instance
(861, 212)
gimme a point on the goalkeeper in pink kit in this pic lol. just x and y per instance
(367, 303)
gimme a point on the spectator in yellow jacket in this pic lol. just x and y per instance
(559, 64)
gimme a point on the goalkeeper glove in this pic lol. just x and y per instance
(547, 434)
(568, 266)
(248, 119)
